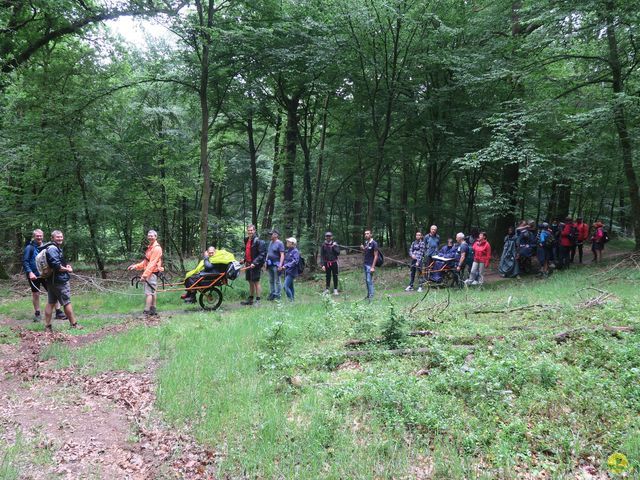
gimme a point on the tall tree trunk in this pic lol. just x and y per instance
(253, 157)
(564, 198)
(206, 23)
(288, 205)
(267, 219)
(620, 120)
(162, 171)
(93, 233)
(3, 272)
(185, 225)
(320, 165)
(404, 199)
(509, 181)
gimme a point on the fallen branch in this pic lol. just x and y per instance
(517, 309)
(399, 351)
(613, 329)
(456, 341)
(416, 333)
(596, 301)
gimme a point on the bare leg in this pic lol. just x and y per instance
(68, 311)
(257, 288)
(48, 310)
(35, 298)
(148, 302)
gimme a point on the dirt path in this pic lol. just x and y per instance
(62, 424)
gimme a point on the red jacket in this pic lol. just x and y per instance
(482, 252)
(565, 241)
(583, 231)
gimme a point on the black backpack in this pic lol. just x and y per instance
(573, 234)
(380, 259)
(301, 265)
(605, 236)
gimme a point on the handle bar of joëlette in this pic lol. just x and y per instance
(135, 281)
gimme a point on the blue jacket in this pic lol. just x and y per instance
(291, 260)
(431, 243)
(448, 251)
(55, 258)
(29, 257)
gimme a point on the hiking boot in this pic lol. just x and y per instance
(184, 296)
(256, 303)
(248, 301)
(48, 329)
(189, 300)
(60, 315)
(146, 312)
(325, 291)
(153, 311)
(409, 289)
(335, 291)
(37, 318)
(76, 326)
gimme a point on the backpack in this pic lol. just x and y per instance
(549, 241)
(42, 264)
(233, 270)
(468, 260)
(605, 236)
(380, 259)
(573, 234)
(301, 265)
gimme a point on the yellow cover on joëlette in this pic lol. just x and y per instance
(221, 256)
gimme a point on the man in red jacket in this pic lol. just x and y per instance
(583, 235)
(481, 259)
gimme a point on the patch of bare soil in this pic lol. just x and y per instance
(69, 425)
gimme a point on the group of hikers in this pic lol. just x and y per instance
(554, 244)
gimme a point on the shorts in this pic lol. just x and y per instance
(151, 285)
(59, 292)
(37, 285)
(253, 274)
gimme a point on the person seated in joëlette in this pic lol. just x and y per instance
(213, 263)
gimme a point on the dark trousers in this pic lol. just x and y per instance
(579, 246)
(565, 256)
(412, 275)
(331, 270)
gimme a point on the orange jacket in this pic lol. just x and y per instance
(152, 262)
(482, 252)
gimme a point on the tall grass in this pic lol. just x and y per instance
(497, 393)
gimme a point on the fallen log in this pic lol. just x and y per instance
(613, 329)
(517, 309)
(417, 333)
(398, 351)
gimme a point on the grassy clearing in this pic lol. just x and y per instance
(272, 388)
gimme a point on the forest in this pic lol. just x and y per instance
(311, 115)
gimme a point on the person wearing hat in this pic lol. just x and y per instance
(275, 260)
(597, 241)
(290, 267)
(329, 252)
